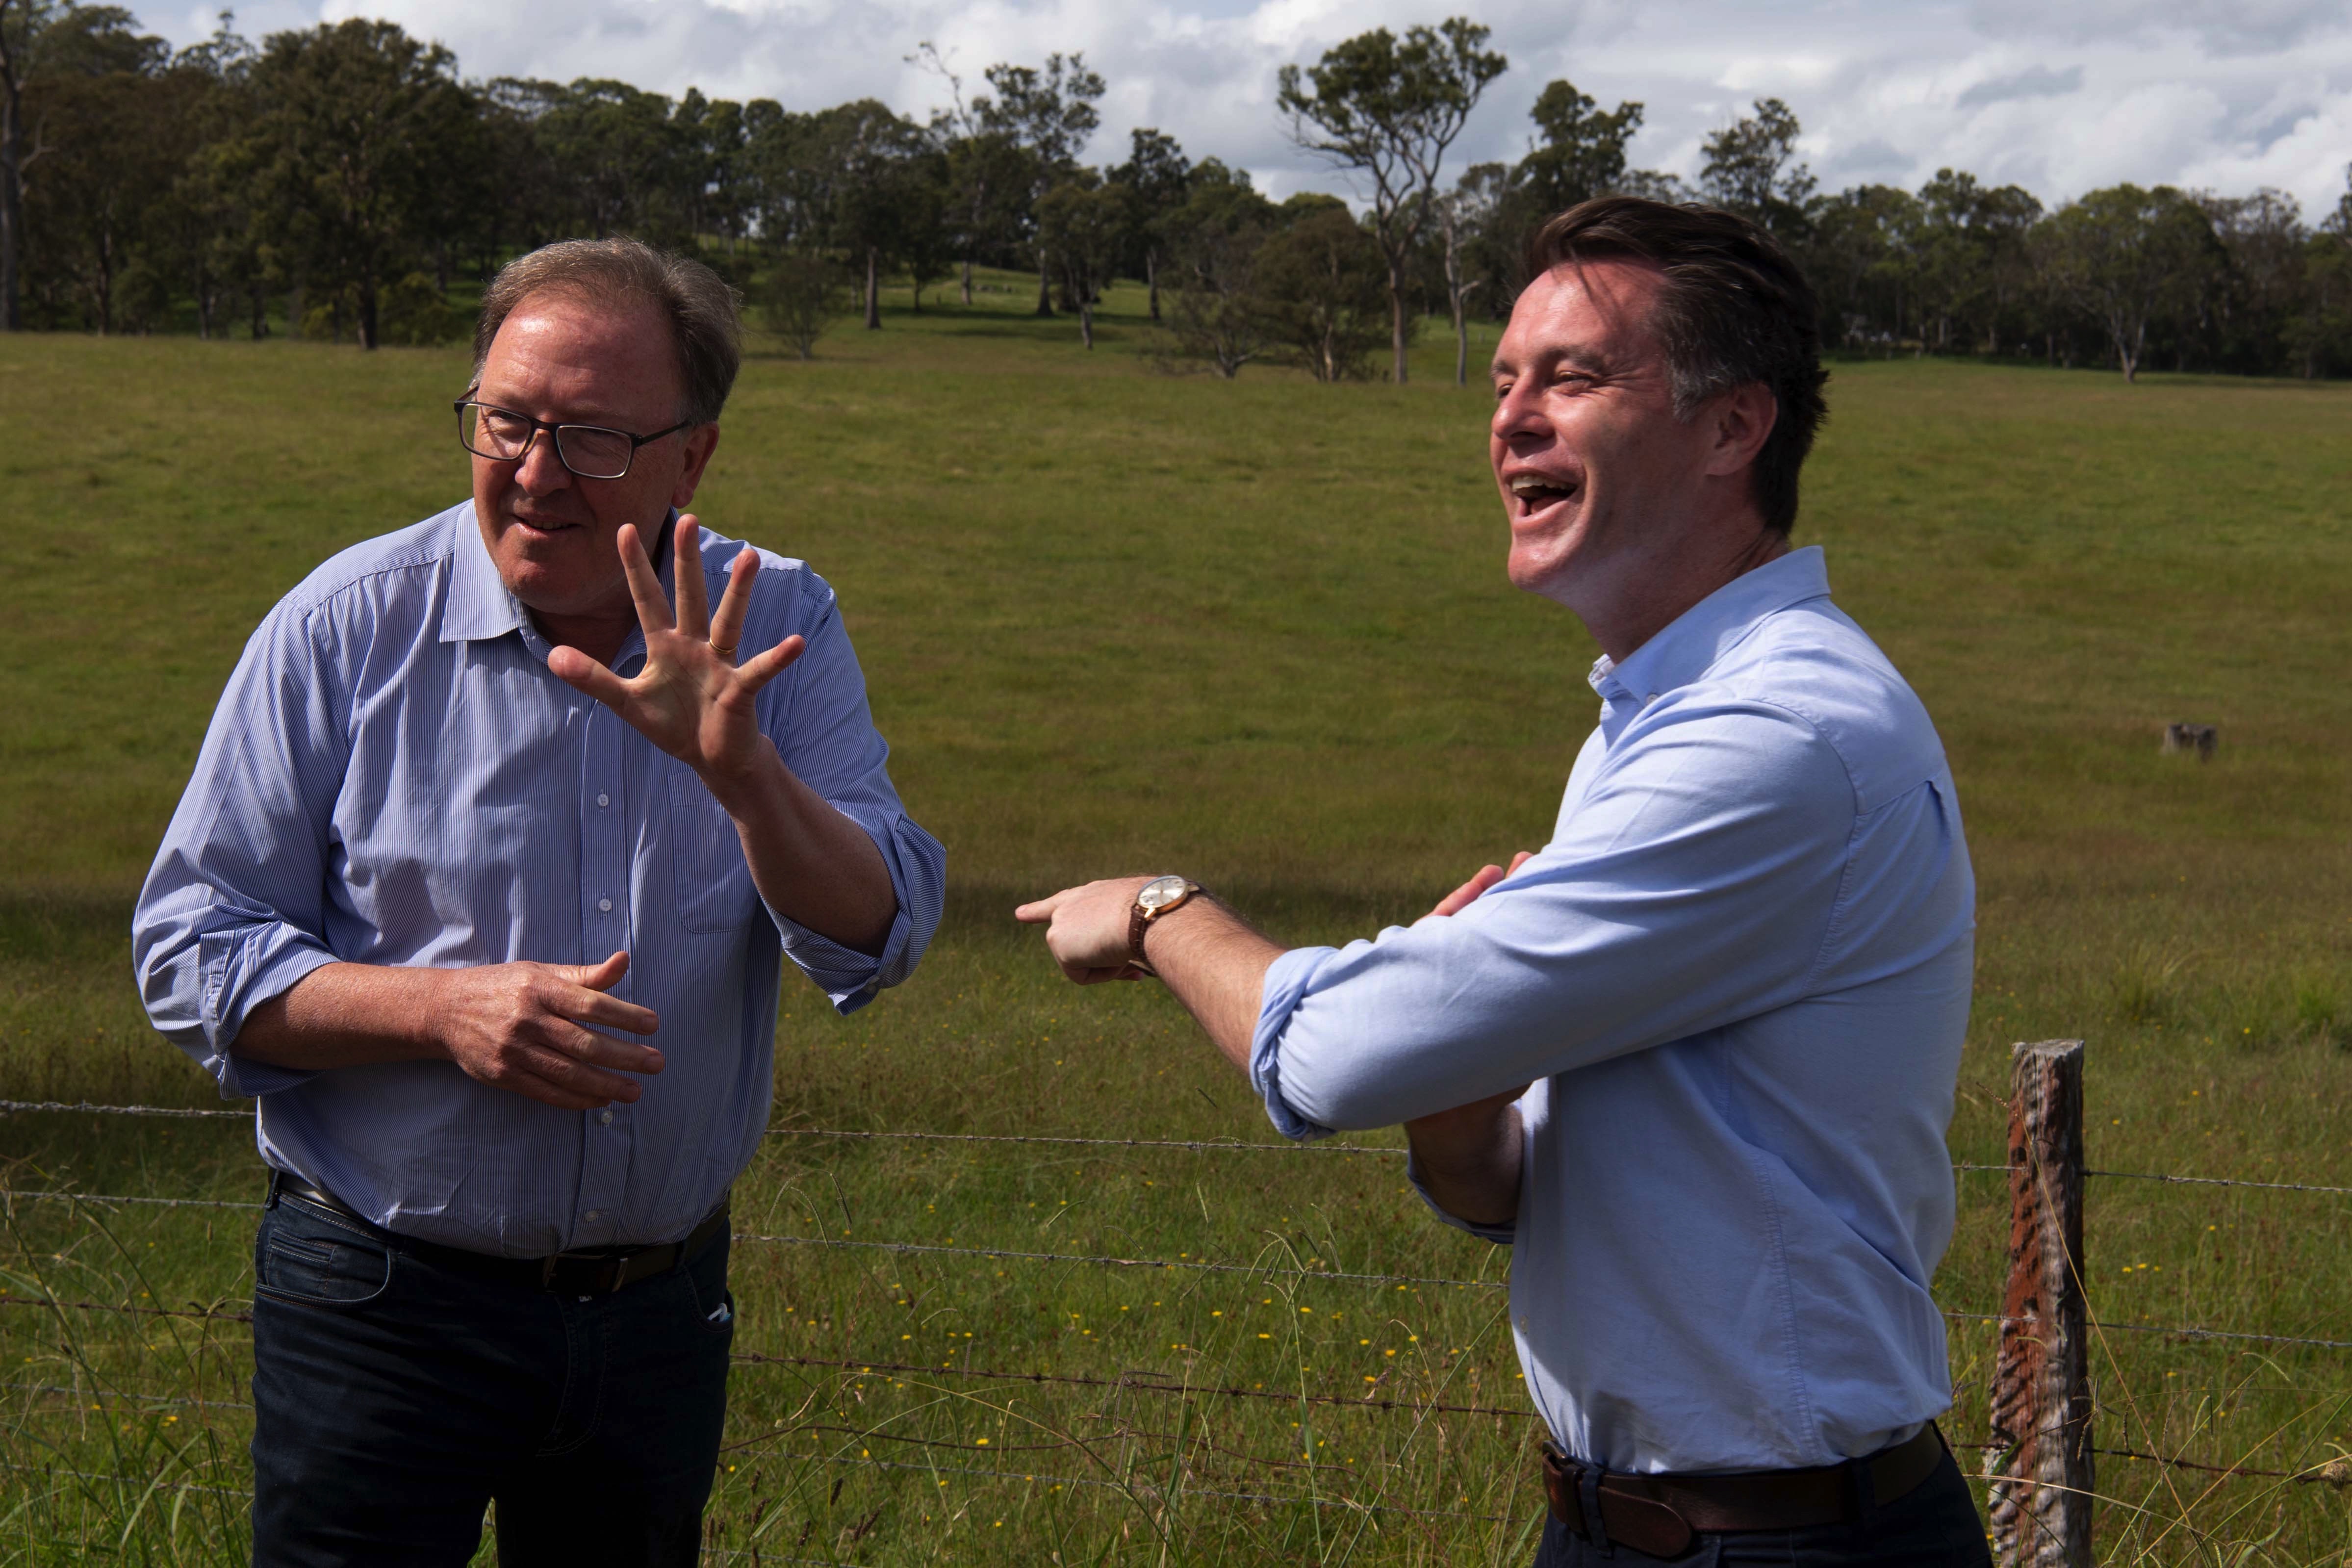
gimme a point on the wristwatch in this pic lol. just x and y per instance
(1152, 900)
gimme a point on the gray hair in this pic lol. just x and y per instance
(703, 313)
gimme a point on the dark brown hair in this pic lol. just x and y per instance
(702, 311)
(1734, 309)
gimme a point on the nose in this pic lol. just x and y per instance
(542, 471)
(1520, 411)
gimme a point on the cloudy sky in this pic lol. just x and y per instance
(2060, 96)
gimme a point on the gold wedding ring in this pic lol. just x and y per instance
(722, 652)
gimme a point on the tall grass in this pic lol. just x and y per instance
(1116, 620)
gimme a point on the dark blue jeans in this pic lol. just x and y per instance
(393, 1398)
(1933, 1525)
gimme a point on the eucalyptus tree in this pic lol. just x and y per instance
(1752, 168)
(1387, 110)
(2250, 302)
(621, 160)
(100, 204)
(1862, 261)
(1213, 241)
(2129, 258)
(2319, 332)
(990, 178)
(1970, 258)
(1321, 288)
(41, 41)
(1047, 114)
(858, 181)
(1465, 214)
(1158, 178)
(357, 128)
(208, 224)
(1085, 224)
(1582, 151)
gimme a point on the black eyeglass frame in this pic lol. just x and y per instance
(557, 430)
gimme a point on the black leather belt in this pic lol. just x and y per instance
(592, 1272)
(1663, 1515)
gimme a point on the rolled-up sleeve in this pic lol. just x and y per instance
(825, 734)
(1691, 885)
(233, 911)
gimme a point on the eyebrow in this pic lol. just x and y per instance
(1582, 356)
(603, 419)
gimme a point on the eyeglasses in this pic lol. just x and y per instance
(589, 451)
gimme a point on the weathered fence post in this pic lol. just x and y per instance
(2042, 1380)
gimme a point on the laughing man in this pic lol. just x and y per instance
(1695, 1058)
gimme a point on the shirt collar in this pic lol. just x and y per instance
(1694, 639)
(480, 604)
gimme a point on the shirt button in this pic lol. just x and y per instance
(595, 1214)
(605, 1117)
(603, 799)
(605, 905)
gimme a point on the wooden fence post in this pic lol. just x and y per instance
(2042, 1380)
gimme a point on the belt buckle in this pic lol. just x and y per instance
(1647, 1524)
(597, 1274)
(1563, 1486)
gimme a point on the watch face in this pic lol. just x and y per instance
(1160, 892)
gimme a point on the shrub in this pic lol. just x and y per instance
(800, 297)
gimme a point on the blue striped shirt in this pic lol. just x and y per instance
(1737, 980)
(393, 776)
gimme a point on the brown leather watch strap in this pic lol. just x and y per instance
(1138, 922)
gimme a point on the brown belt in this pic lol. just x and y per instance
(1662, 1515)
(599, 1272)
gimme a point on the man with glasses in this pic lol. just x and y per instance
(482, 885)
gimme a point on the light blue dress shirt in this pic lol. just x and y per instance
(393, 776)
(1737, 979)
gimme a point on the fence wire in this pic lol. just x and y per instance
(1130, 1383)
(1105, 1261)
(2190, 1181)
(1185, 1265)
(2188, 1333)
(1211, 1145)
(2334, 1473)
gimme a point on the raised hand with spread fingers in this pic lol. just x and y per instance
(696, 696)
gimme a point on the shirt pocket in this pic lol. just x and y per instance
(715, 892)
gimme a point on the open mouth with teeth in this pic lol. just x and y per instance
(1536, 492)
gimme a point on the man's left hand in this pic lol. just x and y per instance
(694, 698)
(1469, 892)
(1086, 928)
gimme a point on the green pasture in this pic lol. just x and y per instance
(1120, 619)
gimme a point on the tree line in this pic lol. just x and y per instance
(344, 178)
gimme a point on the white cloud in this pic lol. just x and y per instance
(2221, 94)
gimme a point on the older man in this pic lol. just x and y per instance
(1695, 1056)
(482, 885)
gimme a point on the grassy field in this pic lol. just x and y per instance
(1117, 619)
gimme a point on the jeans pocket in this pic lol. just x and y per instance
(319, 1264)
(714, 1303)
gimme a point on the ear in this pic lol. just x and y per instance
(1741, 421)
(700, 442)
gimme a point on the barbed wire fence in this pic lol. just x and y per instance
(2011, 1472)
